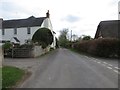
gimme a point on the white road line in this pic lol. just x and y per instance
(109, 67)
(95, 59)
(116, 71)
(87, 57)
(105, 63)
(116, 67)
(98, 62)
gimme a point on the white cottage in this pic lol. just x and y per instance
(21, 30)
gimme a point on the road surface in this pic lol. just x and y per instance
(63, 68)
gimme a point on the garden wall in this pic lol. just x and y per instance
(35, 51)
(38, 51)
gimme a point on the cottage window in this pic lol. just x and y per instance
(3, 31)
(28, 30)
(15, 31)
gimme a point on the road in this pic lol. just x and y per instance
(63, 68)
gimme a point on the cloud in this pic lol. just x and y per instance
(81, 16)
(11, 10)
(114, 2)
(71, 18)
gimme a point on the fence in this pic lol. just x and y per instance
(29, 52)
(21, 53)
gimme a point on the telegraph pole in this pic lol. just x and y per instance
(71, 35)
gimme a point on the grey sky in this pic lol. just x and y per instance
(71, 18)
(81, 16)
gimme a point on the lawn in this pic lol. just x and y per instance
(10, 76)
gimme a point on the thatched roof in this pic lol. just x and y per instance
(108, 29)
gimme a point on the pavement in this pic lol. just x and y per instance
(63, 68)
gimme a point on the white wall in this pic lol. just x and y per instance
(22, 32)
(0, 36)
(8, 34)
(47, 23)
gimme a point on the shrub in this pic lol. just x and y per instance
(43, 36)
(106, 47)
(100, 47)
(7, 45)
(7, 48)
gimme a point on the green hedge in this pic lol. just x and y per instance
(100, 47)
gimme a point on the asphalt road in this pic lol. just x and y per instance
(63, 68)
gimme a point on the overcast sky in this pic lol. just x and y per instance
(80, 16)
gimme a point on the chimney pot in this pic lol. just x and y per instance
(47, 14)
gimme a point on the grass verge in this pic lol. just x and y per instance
(10, 76)
(0, 78)
(82, 53)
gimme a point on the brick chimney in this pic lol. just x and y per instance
(47, 14)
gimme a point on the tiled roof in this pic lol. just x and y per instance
(29, 22)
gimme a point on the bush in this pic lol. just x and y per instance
(43, 36)
(7, 45)
(7, 48)
(107, 47)
(100, 47)
(81, 46)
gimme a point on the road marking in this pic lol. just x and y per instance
(86, 56)
(104, 62)
(116, 71)
(98, 62)
(116, 67)
(109, 67)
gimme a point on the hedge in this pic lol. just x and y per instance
(100, 47)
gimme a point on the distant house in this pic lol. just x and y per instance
(22, 30)
(108, 29)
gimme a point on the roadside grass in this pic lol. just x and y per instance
(0, 78)
(82, 53)
(10, 76)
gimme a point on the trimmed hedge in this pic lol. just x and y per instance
(43, 36)
(100, 47)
